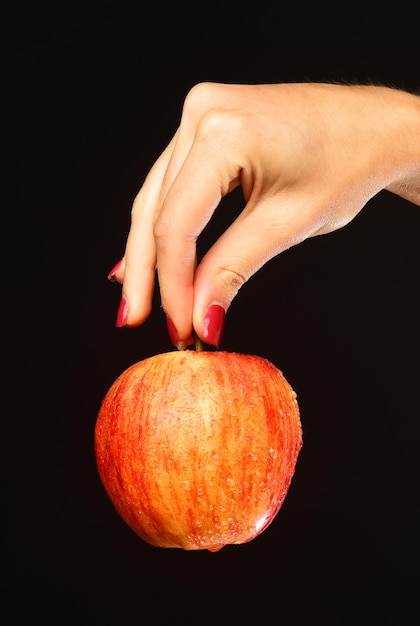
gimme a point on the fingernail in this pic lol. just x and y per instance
(122, 313)
(111, 275)
(214, 321)
(173, 335)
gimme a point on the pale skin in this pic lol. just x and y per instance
(308, 158)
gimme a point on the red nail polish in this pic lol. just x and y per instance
(213, 324)
(173, 335)
(111, 275)
(122, 313)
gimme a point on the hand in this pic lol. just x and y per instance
(307, 156)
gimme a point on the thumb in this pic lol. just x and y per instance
(257, 235)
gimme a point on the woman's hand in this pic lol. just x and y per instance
(307, 156)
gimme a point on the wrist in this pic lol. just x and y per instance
(404, 146)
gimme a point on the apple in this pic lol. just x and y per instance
(197, 449)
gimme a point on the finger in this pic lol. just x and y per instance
(140, 252)
(190, 202)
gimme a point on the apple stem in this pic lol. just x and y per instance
(198, 343)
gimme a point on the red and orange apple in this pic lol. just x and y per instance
(197, 450)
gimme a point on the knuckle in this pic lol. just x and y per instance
(208, 105)
(200, 98)
(231, 279)
(161, 229)
(224, 124)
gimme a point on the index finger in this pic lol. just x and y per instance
(203, 179)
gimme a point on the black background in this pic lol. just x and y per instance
(96, 93)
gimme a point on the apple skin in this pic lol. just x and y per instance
(196, 450)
